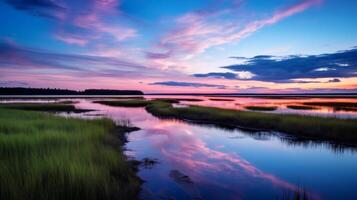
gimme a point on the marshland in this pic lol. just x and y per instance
(178, 100)
(50, 157)
(150, 147)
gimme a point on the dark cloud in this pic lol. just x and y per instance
(297, 90)
(19, 58)
(238, 57)
(46, 8)
(25, 4)
(262, 57)
(225, 75)
(335, 80)
(13, 84)
(341, 64)
(187, 84)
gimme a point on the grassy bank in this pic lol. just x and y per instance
(299, 107)
(179, 99)
(216, 99)
(345, 106)
(261, 108)
(309, 127)
(320, 128)
(125, 103)
(49, 157)
(332, 104)
(48, 107)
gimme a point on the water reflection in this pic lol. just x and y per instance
(183, 148)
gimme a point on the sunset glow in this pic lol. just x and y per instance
(160, 46)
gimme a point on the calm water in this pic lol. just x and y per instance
(205, 162)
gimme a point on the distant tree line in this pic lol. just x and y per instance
(55, 91)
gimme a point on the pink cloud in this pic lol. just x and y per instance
(197, 31)
(92, 22)
(278, 16)
(70, 39)
(95, 24)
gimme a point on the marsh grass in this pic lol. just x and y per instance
(300, 107)
(309, 127)
(344, 106)
(48, 157)
(216, 99)
(188, 99)
(67, 102)
(332, 104)
(342, 131)
(48, 107)
(261, 108)
(125, 103)
(177, 100)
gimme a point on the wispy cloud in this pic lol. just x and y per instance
(187, 84)
(94, 20)
(71, 39)
(15, 57)
(13, 84)
(197, 31)
(81, 23)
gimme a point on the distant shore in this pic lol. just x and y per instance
(18, 91)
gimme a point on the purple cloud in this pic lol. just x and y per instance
(197, 31)
(13, 84)
(44, 8)
(187, 84)
(14, 57)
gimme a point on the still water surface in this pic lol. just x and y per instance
(206, 162)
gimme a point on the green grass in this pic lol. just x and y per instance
(67, 102)
(332, 104)
(188, 99)
(300, 107)
(125, 103)
(48, 157)
(177, 100)
(261, 108)
(214, 99)
(49, 107)
(344, 106)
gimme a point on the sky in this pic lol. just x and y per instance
(180, 46)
